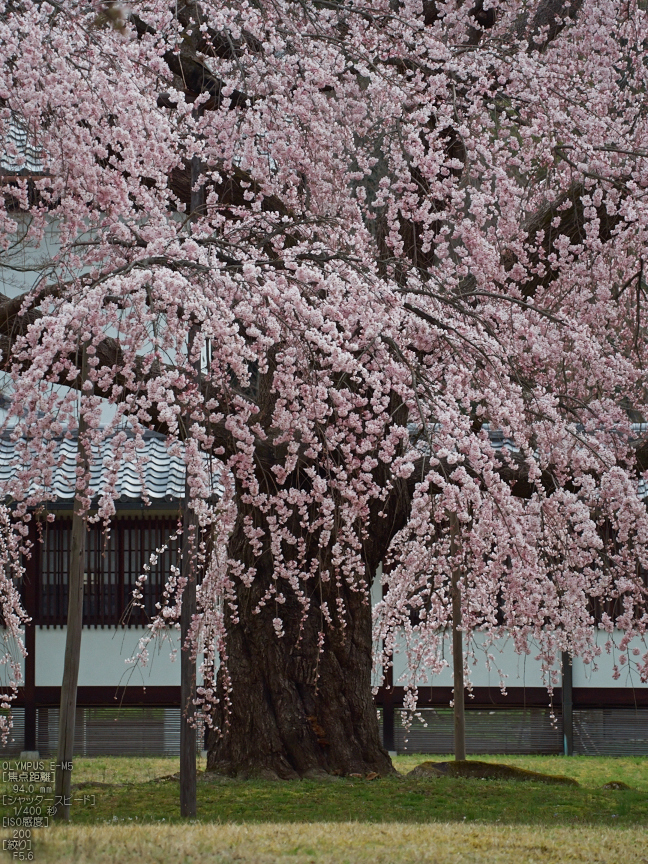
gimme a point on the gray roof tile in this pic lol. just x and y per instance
(18, 155)
(158, 472)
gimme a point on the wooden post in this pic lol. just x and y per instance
(389, 742)
(567, 705)
(188, 666)
(189, 570)
(388, 716)
(67, 714)
(457, 649)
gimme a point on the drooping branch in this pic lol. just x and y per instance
(193, 74)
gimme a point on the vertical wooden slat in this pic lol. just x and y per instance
(30, 594)
(54, 588)
(88, 578)
(162, 573)
(122, 600)
(57, 578)
(52, 576)
(125, 567)
(61, 568)
(99, 586)
(143, 543)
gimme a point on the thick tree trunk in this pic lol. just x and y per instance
(288, 715)
(287, 709)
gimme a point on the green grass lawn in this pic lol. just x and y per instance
(391, 820)
(128, 790)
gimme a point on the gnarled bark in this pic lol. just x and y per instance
(300, 704)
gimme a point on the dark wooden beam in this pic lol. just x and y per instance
(524, 697)
(30, 598)
(429, 697)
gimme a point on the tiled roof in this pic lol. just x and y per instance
(18, 155)
(500, 442)
(161, 474)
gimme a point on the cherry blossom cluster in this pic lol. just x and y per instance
(333, 251)
(13, 618)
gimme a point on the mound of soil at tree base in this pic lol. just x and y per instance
(486, 771)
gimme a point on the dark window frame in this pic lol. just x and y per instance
(114, 562)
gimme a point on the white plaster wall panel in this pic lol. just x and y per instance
(22, 264)
(104, 652)
(585, 675)
(376, 595)
(103, 659)
(519, 670)
(525, 670)
(376, 586)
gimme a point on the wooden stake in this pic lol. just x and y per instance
(189, 570)
(457, 650)
(188, 666)
(67, 714)
(567, 705)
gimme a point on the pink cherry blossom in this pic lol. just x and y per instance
(420, 233)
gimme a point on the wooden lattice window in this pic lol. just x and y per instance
(114, 562)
